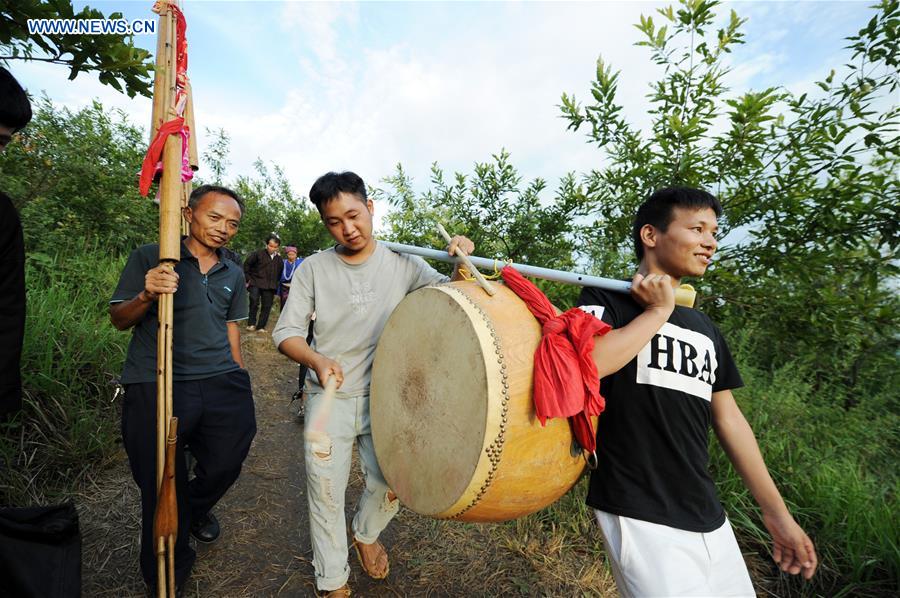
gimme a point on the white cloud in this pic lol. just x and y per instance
(317, 24)
(458, 100)
(745, 72)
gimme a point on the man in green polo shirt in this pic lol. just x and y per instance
(211, 390)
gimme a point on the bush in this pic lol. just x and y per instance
(837, 470)
(70, 358)
(73, 175)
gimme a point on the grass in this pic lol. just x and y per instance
(554, 552)
(70, 359)
(837, 470)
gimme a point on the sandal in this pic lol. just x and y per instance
(367, 569)
(341, 592)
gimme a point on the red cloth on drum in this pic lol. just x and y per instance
(566, 383)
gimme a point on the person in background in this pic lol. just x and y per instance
(287, 272)
(262, 269)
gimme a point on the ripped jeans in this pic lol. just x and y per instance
(327, 473)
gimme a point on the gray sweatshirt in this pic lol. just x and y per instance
(352, 303)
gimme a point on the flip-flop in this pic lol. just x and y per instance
(362, 562)
(341, 592)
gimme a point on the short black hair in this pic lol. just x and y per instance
(15, 108)
(329, 185)
(198, 194)
(658, 210)
(273, 237)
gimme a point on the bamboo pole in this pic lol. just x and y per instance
(160, 399)
(165, 521)
(169, 237)
(186, 189)
(171, 194)
(160, 88)
(169, 241)
(189, 121)
(192, 150)
(171, 186)
(163, 96)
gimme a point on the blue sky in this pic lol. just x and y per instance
(363, 86)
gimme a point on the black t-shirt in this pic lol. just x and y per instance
(12, 306)
(653, 437)
(202, 306)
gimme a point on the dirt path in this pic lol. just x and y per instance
(265, 549)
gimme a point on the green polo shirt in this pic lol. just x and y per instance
(203, 304)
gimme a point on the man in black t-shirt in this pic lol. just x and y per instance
(667, 374)
(15, 113)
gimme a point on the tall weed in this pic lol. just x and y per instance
(70, 357)
(836, 468)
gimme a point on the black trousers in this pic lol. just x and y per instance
(40, 552)
(216, 418)
(257, 297)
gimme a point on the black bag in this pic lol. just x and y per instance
(40, 552)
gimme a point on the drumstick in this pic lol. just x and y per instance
(315, 432)
(468, 263)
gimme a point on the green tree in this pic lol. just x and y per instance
(270, 203)
(216, 155)
(72, 175)
(412, 218)
(505, 218)
(274, 207)
(808, 181)
(114, 58)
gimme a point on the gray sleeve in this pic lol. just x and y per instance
(301, 303)
(422, 275)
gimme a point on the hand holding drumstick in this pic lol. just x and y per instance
(463, 247)
(315, 429)
(325, 367)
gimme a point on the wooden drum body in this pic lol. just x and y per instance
(453, 419)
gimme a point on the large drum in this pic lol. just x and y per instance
(453, 419)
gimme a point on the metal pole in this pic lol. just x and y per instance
(685, 295)
(488, 265)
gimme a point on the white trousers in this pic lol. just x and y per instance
(649, 560)
(327, 473)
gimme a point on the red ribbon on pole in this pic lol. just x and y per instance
(566, 383)
(152, 165)
(154, 153)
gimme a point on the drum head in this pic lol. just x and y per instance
(432, 395)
